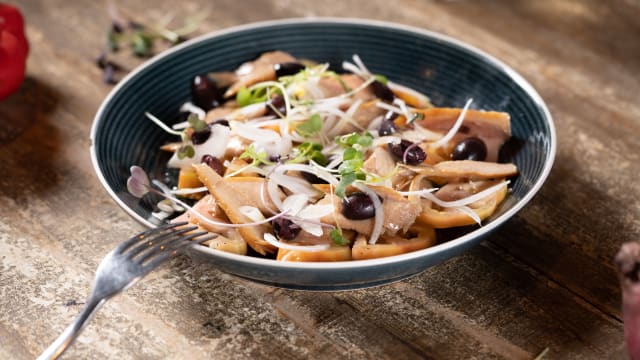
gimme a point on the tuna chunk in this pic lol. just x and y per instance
(399, 213)
(230, 202)
(258, 70)
(494, 128)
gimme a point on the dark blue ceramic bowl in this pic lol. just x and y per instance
(447, 70)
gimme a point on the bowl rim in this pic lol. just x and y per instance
(342, 265)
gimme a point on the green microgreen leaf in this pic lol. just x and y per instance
(344, 85)
(351, 168)
(337, 237)
(246, 96)
(243, 97)
(112, 41)
(346, 179)
(141, 44)
(381, 78)
(186, 151)
(355, 139)
(196, 123)
(416, 116)
(310, 127)
(309, 151)
(257, 157)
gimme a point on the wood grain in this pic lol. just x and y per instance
(544, 280)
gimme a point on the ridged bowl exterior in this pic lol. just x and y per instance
(449, 71)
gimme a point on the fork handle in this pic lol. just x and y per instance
(72, 331)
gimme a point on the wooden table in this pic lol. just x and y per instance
(544, 280)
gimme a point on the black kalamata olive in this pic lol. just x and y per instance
(223, 122)
(387, 126)
(278, 103)
(471, 148)
(313, 179)
(382, 91)
(390, 116)
(213, 163)
(199, 137)
(288, 68)
(358, 206)
(285, 229)
(274, 158)
(204, 92)
(408, 152)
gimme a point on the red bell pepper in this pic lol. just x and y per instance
(13, 50)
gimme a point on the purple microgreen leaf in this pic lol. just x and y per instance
(138, 183)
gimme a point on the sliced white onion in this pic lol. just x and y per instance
(384, 105)
(216, 145)
(163, 187)
(313, 211)
(417, 192)
(264, 121)
(454, 129)
(308, 218)
(387, 140)
(361, 65)
(189, 107)
(189, 191)
(461, 202)
(379, 212)
(333, 163)
(279, 244)
(347, 66)
(216, 223)
(314, 169)
(311, 86)
(252, 212)
(180, 126)
(241, 169)
(248, 112)
(274, 194)
(423, 100)
(263, 199)
(294, 203)
(403, 107)
(254, 133)
(421, 134)
(472, 214)
(353, 108)
(162, 125)
(294, 184)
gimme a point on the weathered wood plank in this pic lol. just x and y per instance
(544, 280)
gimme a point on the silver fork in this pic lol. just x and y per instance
(122, 267)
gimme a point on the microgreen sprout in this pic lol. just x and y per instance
(310, 127)
(257, 157)
(195, 123)
(186, 151)
(351, 168)
(140, 38)
(337, 237)
(381, 78)
(308, 151)
(138, 183)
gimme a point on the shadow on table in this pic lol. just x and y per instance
(570, 233)
(20, 111)
(29, 143)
